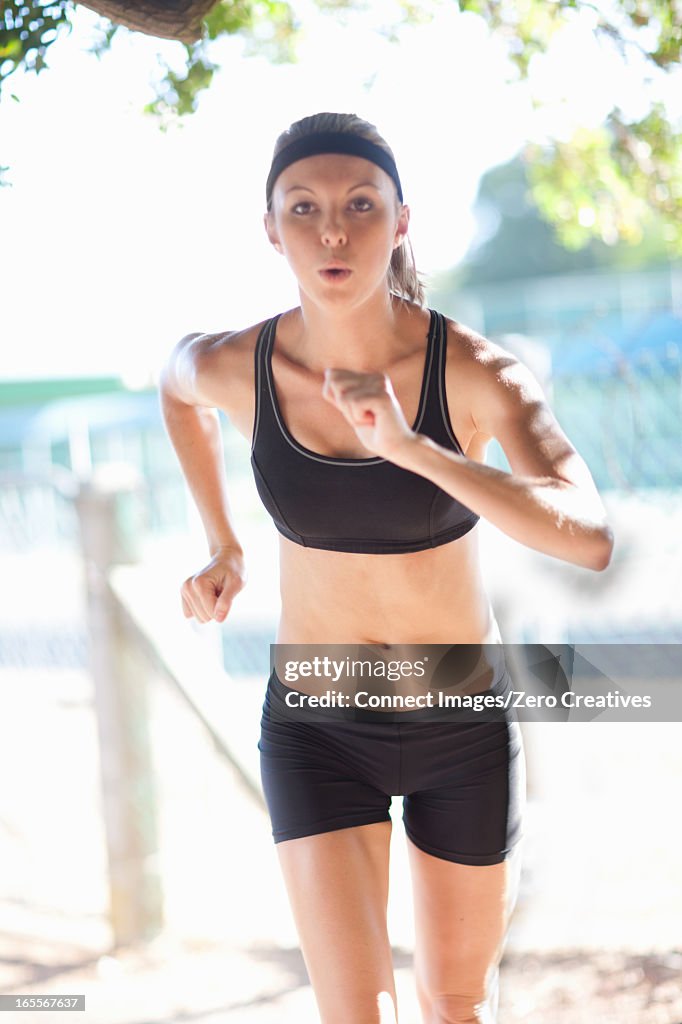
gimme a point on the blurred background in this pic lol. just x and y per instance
(541, 164)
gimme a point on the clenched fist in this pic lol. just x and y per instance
(368, 402)
(209, 593)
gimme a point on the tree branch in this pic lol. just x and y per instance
(177, 19)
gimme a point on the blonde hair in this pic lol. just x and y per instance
(403, 277)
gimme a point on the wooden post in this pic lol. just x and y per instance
(107, 504)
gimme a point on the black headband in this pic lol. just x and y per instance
(332, 142)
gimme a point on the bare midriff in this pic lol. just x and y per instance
(434, 596)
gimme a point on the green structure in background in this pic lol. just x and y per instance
(607, 348)
(15, 393)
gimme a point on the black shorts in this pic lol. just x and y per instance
(463, 782)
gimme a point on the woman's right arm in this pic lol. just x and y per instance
(191, 418)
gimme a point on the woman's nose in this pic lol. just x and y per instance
(333, 233)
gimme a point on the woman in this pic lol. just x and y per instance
(369, 416)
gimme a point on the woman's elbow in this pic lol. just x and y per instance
(601, 549)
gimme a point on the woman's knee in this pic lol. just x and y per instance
(468, 1001)
(380, 1008)
(465, 1008)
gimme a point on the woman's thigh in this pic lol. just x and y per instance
(464, 823)
(462, 913)
(337, 884)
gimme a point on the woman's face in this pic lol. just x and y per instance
(337, 219)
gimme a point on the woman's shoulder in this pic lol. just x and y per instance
(222, 368)
(468, 346)
(485, 380)
(476, 363)
(234, 349)
(228, 354)
(227, 347)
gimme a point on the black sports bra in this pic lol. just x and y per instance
(367, 505)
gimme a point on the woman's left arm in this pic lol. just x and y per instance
(549, 501)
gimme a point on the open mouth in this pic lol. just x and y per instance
(335, 274)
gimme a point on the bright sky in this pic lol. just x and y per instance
(118, 238)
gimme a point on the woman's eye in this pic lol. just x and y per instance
(360, 205)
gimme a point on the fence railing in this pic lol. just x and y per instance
(134, 634)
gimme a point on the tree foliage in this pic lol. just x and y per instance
(31, 28)
(515, 242)
(27, 32)
(605, 183)
(608, 183)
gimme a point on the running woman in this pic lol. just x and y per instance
(368, 416)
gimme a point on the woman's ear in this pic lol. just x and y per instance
(402, 226)
(271, 232)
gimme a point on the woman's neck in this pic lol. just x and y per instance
(365, 338)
